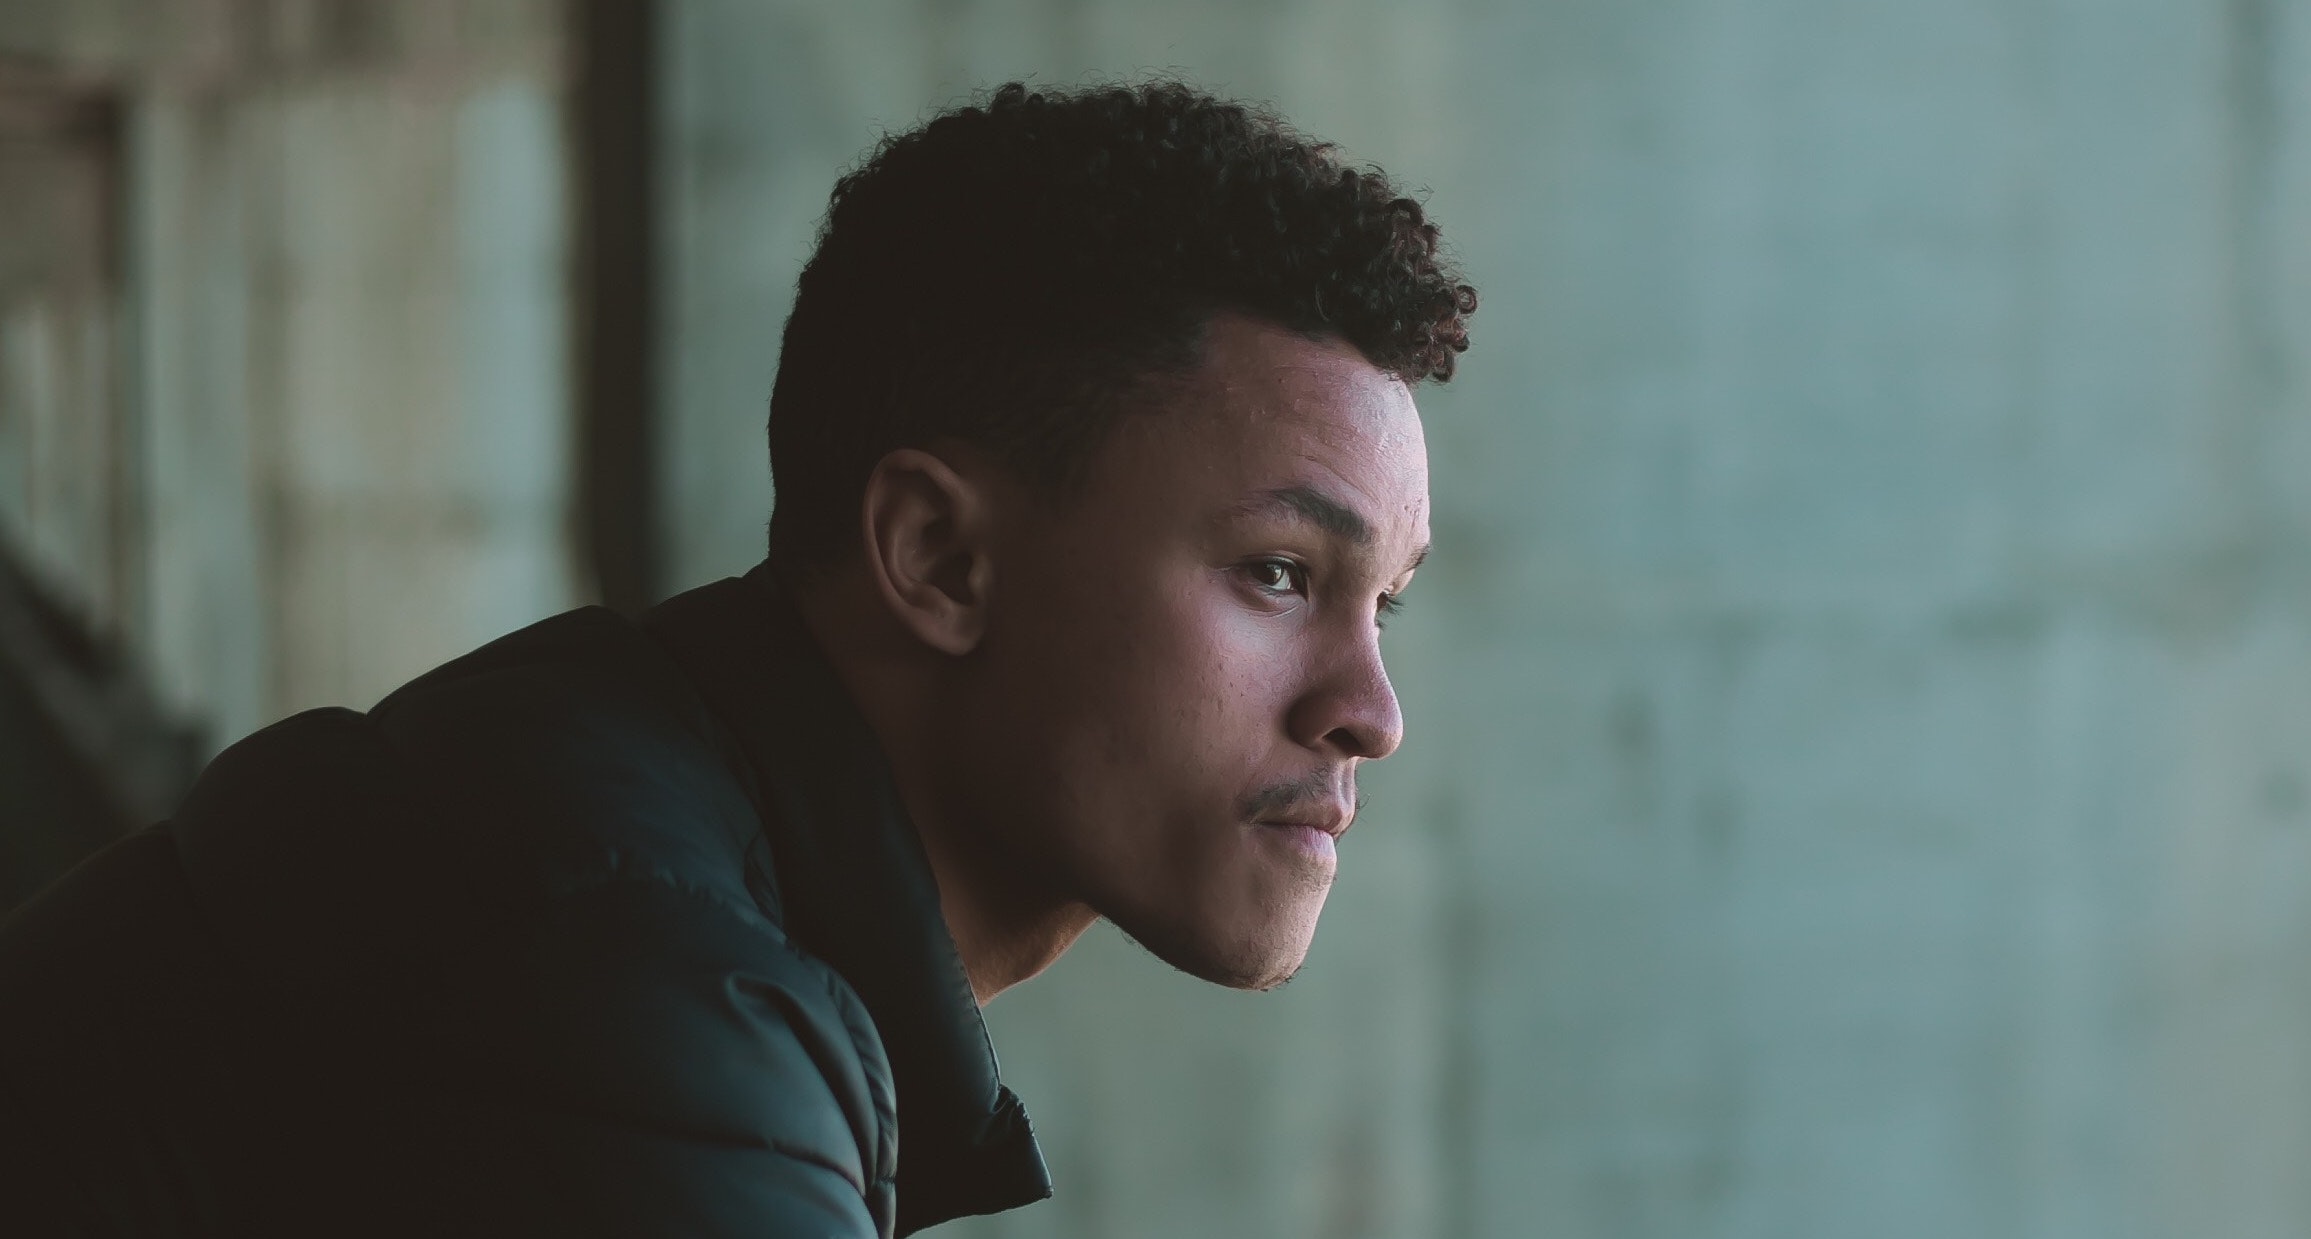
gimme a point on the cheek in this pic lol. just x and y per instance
(1181, 689)
(1207, 693)
(1250, 668)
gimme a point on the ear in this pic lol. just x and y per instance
(927, 533)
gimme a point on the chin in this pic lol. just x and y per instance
(1259, 956)
(1264, 982)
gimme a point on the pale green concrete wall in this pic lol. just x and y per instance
(345, 307)
(1861, 702)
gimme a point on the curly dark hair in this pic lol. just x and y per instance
(1014, 271)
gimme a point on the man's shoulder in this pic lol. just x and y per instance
(582, 735)
(562, 756)
(522, 895)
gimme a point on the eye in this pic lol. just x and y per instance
(1278, 576)
(1390, 604)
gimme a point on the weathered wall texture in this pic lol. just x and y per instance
(343, 308)
(1860, 775)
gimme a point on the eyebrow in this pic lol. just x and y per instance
(1313, 506)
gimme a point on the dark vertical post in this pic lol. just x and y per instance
(615, 118)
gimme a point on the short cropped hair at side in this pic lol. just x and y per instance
(1012, 273)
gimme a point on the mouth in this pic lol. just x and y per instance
(1309, 813)
(1313, 829)
(1310, 839)
(1331, 823)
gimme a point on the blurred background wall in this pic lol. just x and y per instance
(1860, 765)
(286, 303)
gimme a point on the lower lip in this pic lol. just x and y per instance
(1306, 838)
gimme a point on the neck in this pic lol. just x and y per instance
(1005, 930)
(1007, 924)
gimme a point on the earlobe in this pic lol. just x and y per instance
(926, 529)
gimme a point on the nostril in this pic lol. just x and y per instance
(1352, 712)
(1363, 739)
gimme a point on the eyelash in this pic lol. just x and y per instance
(1390, 606)
(1296, 575)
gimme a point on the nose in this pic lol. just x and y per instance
(1349, 705)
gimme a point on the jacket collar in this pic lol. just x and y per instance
(857, 892)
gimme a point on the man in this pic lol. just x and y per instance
(1098, 472)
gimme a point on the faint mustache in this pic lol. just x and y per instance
(1279, 799)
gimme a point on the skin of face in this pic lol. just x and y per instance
(1180, 669)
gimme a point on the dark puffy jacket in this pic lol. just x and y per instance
(605, 928)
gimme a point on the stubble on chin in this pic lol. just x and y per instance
(1260, 959)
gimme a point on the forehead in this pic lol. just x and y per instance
(1268, 408)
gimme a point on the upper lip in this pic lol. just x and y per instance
(1333, 820)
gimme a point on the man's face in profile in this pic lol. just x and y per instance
(1183, 668)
